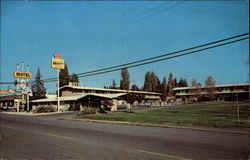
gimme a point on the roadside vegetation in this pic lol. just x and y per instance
(209, 114)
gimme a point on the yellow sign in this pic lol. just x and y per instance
(23, 101)
(22, 75)
(57, 63)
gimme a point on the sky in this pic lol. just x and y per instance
(97, 34)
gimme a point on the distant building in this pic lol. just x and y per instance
(10, 101)
(221, 92)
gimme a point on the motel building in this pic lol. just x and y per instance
(229, 92)
(76, 97)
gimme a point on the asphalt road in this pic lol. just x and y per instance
(46, 137)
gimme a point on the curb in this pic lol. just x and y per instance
(245, 132)
(32, 114)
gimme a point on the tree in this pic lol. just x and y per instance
(74, 78)
(147, 82)
(171, 84)
(64, 76)
(182, 83)
(125, 82)
(38, 89)
(196, 90)
(164, 90)
(134, 87)
(155, 82)
(113, 86)
(193, 82)
(132, 97)
(210, 87)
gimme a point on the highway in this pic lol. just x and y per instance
(50, 137)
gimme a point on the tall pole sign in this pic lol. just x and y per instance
(57, 63)
(23, 84)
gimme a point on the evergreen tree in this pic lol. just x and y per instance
(155, 82)
(125, 82)
(182, 83)
(38, 89)
(64, 76)
(134, 87)
(175, 83)
(74, 78)
(147, 82)
(113, 84)
(164, 90)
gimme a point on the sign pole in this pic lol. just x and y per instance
(28, 105)
(58, 100)
(57, 63)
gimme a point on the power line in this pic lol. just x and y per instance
(166, 58)
(155, 57)
(155, 13)
(129, 65)
(143, 13)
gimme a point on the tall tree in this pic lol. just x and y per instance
(175, 82)
(155, 82)
(64, 76)
(74, 78)
(125, 82)
(147, 82)
(38, 89)
(164, 90)
(171, 84)
(210, 87)
(113, 84)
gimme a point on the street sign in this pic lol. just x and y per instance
(23, 101)
(22, 75)
(57, 55)
(23, 84)
(57, 63)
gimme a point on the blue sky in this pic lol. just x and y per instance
(95, 34)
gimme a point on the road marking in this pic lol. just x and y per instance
(54, 135)
(164, 155)
(10, 127)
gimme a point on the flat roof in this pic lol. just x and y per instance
(217, 86)
(53, 98)
(112, 90)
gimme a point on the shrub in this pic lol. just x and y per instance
(91, 110)
(44, 109)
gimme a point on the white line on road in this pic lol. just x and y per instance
(54, 135)
(164, 155)
(10, 127)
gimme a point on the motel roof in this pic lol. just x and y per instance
(217, 86)
(111, 90)
(53, 98)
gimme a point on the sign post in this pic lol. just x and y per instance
(22, 85)
(57, 63)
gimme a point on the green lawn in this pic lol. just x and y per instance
(212, 114)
